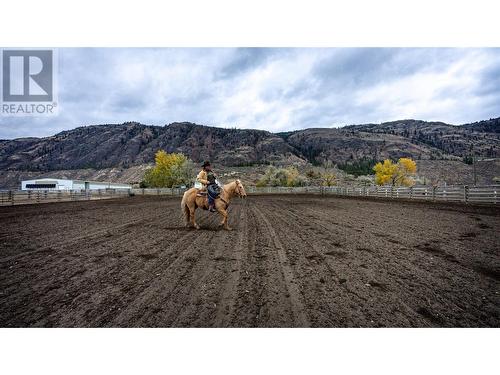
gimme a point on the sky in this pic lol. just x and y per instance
(274, 89)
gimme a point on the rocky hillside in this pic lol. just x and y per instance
(128, 144)
(124, 149)
(416, 139)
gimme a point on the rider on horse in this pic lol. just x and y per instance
(207, 178)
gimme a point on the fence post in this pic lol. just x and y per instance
(434, 193)
(466, 193)
(411, 192)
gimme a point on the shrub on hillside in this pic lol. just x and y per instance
(289, 176)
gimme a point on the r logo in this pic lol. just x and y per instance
(27, 76)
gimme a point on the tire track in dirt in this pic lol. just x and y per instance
(390, 265)
(116, 240)
(199, 300)
(299, 312)
(226, 300)
(325, 292)
(100, 233)
(60, 264)
(394, 271)
(190, 258)
(261, 298)
(155, 273)
(133, 284)
(180, 250)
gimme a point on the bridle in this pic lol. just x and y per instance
(225, 191)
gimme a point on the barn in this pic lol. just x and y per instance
(60, 184)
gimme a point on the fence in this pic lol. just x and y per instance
(464, 194)
(14, 197)
(163, 191)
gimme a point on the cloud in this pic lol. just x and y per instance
(274, 89)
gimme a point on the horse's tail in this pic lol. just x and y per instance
(184, 206)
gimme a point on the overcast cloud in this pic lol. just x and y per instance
(271, 89)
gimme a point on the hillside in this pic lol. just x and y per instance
(121, 151)
(128, 144)
(416, 139)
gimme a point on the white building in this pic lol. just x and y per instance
(58, 184)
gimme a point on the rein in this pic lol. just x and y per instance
(222, 199)
(227, 193)
(227, 203)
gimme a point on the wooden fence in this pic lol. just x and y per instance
(14, 197)
(465, 194)
(163, 191)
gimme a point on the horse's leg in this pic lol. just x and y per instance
(192, 211)
(223, 223)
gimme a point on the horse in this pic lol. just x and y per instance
(191, 201)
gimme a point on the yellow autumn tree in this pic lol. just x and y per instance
(395, 174)
(170, 170)
(328, 179)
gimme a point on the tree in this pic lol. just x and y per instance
(361, 167)
(170, 170)
(289, 176)
(396, 174)
(328, 179)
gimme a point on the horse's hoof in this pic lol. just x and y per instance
(228, 228)
(197, 226)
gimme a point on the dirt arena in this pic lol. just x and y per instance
(291, 261)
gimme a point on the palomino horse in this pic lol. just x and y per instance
(190, 202)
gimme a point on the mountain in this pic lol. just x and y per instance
(124, 145)
(119, 147)
(412, 138)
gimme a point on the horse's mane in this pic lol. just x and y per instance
(231, 186)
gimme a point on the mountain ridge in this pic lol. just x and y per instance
(132, 144)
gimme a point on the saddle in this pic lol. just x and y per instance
(204, 194)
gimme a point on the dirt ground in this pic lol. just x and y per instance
(291, 261)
